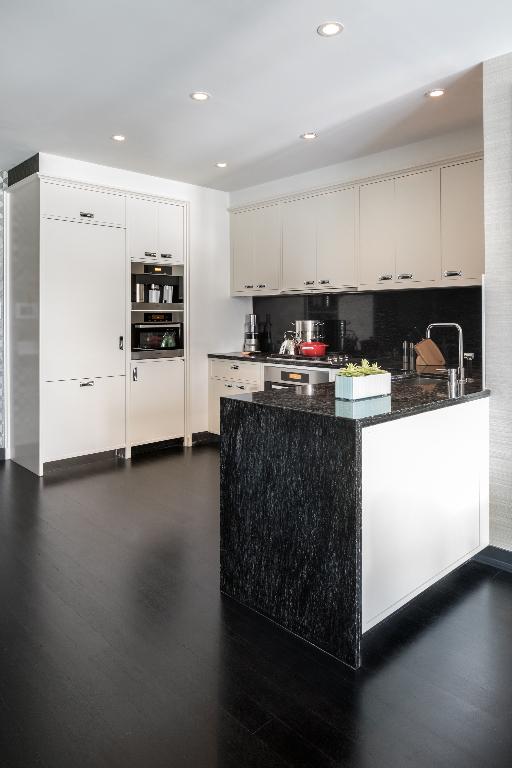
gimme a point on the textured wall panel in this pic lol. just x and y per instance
(498, 292)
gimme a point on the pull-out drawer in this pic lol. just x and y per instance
(235, 370)
(94, 206)
(82, 416)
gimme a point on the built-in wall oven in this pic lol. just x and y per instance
(287, 377)
(155, 335)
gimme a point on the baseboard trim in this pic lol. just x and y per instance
(495, 556)
(2, 454)
(202, 438)
(77, 461)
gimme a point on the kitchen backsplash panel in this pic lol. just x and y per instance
(378, 322)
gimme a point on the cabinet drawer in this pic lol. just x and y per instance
(83, 204)
(218, 389)
(235, 370)
(82, 416)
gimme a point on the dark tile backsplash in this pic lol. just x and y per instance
(378, 322)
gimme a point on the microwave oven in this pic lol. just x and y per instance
(155, 336)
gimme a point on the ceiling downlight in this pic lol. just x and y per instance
(330, 28)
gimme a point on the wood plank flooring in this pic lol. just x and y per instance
(117, 651)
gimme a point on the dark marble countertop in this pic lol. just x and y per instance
(408, 397)
(384, 362)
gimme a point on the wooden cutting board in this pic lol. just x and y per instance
(429, 354)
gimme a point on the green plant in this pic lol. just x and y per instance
(365, 369)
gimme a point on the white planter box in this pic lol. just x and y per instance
(362, 409)
(357, 387)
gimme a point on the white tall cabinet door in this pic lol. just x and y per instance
(462, 221)
(377, 234)
(157, 400)
(299, 244)
(418, 246)
(266, 248)
(170, 232)
(336, 254)
(241, 252)
(82, 416)
(142, 228)
(83, 301)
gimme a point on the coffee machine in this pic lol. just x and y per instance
(251, 335)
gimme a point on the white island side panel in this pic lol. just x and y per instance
(425, 502)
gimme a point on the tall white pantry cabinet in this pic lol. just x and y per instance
(69, 324)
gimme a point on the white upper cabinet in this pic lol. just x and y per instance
(83, 302)
(299, 244)
(142, 228)
(170, 232)
(336, 239)
(94, 206)
(377, 234)
(256, 250)
(462, 222)
(155, 230)
(266, 248)
(417, 217)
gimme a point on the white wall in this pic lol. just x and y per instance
(216, 319)
(498, 288)
(422, 152)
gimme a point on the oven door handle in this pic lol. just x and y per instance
(156, 325)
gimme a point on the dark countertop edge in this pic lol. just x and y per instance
(368, 421)
(303, 363)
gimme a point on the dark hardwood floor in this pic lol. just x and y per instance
(116, 649)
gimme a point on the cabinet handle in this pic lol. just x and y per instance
(324, 282)
(309, 282)
(248, 286)
(453, 273)
(240, 386)
(234, 367)
(86, 215)
(121, 342)
(261, 285)
(149, 254)
(229, 386)
(386, 277)
(166, 255)
(87, 383)
(405, 276)
(134, 374)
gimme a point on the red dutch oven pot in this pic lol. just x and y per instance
(313, 348)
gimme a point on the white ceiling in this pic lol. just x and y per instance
(72, 74)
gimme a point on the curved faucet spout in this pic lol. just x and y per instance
(461, 343)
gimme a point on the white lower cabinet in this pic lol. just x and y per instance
(218, 388)
(82, 416)
(157, 400)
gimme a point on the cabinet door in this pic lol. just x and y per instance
(157, 400)
(83, 301)
(266, 248)
(68, 202)
(170, 232)
(418, 246)
(462, 221)
(241, 252)
(142, 228)
(299, 244)
(336, 256)
(82, 416)
(218, 389)
(377, 241)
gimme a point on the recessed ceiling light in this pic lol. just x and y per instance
(118, 137)
(330, 28)
(221, 165)
(199, 96)
(435, 93)
(309, 135)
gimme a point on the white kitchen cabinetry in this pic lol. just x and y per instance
(256, 250)
(377, 234)
(299, 244)
(83, 300)
(82, 416)
(462, 222)
(155, 230)
(157, 400)
(417, 218)
(227, 378)
(92, 205)
(336, 239)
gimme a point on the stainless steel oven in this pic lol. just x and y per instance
(287, 377)
(156, 335)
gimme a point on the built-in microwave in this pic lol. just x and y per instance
(156, 335)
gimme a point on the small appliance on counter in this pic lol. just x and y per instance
(251, 335)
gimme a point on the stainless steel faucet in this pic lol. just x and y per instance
(462, 377)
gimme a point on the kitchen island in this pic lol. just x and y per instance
(334, 514)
